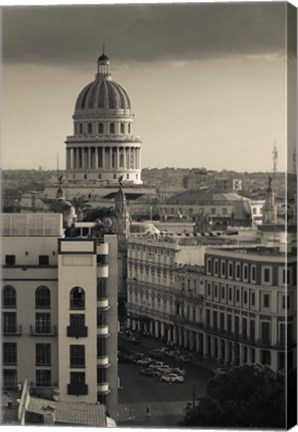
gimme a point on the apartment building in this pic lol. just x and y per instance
(59, 310)
(250, 306)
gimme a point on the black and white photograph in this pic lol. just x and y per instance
(148, 220)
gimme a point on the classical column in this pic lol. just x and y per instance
(67, 158)
(227, 353)
(162, 329)
(111, 158)
(96, 158)
(117, 159)
(89, 164)
(205, 345)
(71, 158)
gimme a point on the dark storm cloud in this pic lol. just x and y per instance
(142, 32)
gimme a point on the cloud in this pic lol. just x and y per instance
(142, 33)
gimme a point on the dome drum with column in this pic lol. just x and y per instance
(103, 146)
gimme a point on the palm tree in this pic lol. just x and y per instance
(81, 205)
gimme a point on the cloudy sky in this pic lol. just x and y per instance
(207, 81)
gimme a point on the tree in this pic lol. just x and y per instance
(99, 213)
(81, 205)
(245, 397)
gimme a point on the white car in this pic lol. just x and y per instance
(156, 365)
(171, 378)
(145, 361)
(179, 371)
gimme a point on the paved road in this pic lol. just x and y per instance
(166, 401)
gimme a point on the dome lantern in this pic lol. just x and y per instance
(103, 63)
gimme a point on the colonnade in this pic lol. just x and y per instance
(105, 157)
(222, 350)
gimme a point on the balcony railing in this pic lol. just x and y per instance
(103, 303)
(103, 330)
(77, 389)
(103, 361)
(103, 388)
(103, 270)
(43, 330)
(102, 249)
(77, 332)
(13, 330)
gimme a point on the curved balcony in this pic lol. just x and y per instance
(102, 270)
(102, 249)
(103, 361)
(103, 388)
(103, 330)
(103, 303)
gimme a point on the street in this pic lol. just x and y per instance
(166, 401)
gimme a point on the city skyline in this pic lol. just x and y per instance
(215, 86)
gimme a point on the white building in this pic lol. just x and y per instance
(59, 310)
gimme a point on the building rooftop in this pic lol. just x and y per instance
(71, 413)
(31, 225)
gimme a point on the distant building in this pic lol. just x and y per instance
(103, 146)
(59, 310)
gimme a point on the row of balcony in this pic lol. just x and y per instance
(102, 271)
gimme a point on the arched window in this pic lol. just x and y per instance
(122, 128)
(112, 128)
(42, 297)
(89, 128)
(9, 296)
(100, 128)
(77, 298)
(80, 128)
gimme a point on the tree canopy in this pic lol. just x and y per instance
(245, 397)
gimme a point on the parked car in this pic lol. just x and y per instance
(156, 365)
(145, 361)
(148, 372)
(171, 378)
(164, 369)
(179, 371)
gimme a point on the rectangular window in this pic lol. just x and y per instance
(266, 301)
(77, 320)
(265, 332)
(222, 320)
(77, 377)
(253, 273)
(9, 353)
(214, 319)
(43, 354)
(208, 317)
(286, 302)
(267, 275)
(237, 295)
(43, 260)
(223, 292)
(245, 297)
(9, 322)
(77, 355)
(209, 289)
(245, 272)
(229, 323)
(9, 377)
(244, 326)
(238, 271)
(216, 267)
(10, 259)
(237, 326)
(43, 378)
(215, 290)
(101, 347)
(230, 294)
(209, 265)
(43, 323)
(252, 330)
(230, 270)
(223, 268)
(253, 299)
